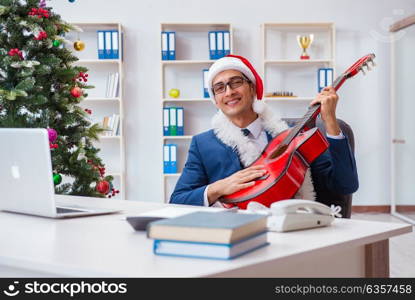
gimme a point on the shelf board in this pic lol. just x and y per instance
(97, 61)
(186, 100)
(94, 24)
(111, 137)
(172, 175)
(288, 99)
(115, 174)
(298, 61)
(186, 62)
(178, 137)
(195, 27)
(201, 24)
(299, 25)
(101, 99)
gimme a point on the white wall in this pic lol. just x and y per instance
(361, 28)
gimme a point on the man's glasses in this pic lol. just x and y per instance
(233, 83)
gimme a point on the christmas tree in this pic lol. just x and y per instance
(41, 88)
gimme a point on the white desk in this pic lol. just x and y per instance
(107, 246)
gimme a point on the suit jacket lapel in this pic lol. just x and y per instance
(234, 155)
(236, 162)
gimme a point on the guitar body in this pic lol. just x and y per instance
(286, 172)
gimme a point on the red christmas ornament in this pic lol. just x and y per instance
(88, 111)
(103, 187)
(76, 92)
(14, 52)
(42, 35)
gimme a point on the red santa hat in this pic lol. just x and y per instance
(241, 64)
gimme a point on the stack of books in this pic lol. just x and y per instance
(112, 85)
(215, 235)
(111, 125)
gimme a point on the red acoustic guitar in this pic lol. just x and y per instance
(289, 155)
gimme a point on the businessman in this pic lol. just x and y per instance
(217, 160)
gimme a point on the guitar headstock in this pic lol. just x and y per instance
(359, 65)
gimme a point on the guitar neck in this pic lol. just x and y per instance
(311, 114)
(339, 82)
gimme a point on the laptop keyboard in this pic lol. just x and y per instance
(61, 210)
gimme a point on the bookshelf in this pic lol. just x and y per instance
(283, 70)
(99, 101)
(185, 74)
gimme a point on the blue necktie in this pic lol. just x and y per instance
(245, 131)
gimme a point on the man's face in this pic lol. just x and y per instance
(233, 101)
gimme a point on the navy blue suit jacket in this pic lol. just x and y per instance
(209, 160)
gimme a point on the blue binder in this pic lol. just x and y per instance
(329, 76)
(180, 117)
(166, 121)
(101, 44)
(173, 121)
(205, 83)
(164, 46)
(166, 159)
(115, 42)
(227, 42)
(325, 78)
(219, 44)
(107, 45)
(212, 45)
(172, 45)
(173, 158)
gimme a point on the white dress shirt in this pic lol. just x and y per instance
(259, 137)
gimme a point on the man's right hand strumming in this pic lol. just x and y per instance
(237, 181)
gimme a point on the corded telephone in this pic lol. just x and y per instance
(295, 214)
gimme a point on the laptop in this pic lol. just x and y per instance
(26, 176)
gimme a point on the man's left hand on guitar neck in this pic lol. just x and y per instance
(328, 99)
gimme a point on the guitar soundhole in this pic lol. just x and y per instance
(278, 152)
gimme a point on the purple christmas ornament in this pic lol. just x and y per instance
(42, 3)
(53, 135)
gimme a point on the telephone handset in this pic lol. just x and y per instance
(295, 214)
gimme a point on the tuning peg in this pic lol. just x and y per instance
(363, 71)
(368, 67)
(373, 63)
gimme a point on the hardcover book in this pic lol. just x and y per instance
(214, 227)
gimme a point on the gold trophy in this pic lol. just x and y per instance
(305, 41)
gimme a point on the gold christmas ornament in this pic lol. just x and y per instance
(79, 45)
